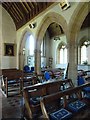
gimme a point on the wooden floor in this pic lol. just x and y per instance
(12, 109)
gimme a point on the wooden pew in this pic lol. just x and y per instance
(28, 81)
(14, 78)
(39, 90)
(48, 100)
(11, 81)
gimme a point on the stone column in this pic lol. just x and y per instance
(21, 60)
(37, 61)
(72, 72)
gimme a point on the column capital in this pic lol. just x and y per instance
(37, 51)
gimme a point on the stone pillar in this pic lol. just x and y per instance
(37, 61)
(72, 72)
(21, 60)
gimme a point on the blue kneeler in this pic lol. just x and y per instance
(76, 106)
(61, 114)
(47, 76)
(26, 69)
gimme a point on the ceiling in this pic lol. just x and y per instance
(55, 29)
(86, 22)
(23, 11)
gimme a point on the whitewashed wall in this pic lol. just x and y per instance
(8, 36)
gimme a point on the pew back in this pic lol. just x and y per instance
(52, 98)
(40, 90)
(11, 81)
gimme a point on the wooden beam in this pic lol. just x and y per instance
(24, 6)
(18, 10)
(31, 4)
(14, 8)
(27, 6)
(14, 14)
(19, 6)
(7, 5)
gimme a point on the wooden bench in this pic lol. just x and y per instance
(11, 82)
(16, 79)
(33, 94)
(28, 80)
(51, 104)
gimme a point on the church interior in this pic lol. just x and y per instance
(44, 59)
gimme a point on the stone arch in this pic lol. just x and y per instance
(47, 20)
(24, 35)
(77, 19)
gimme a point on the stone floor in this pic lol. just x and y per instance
(11, 107)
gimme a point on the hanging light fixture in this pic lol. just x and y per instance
(64, 4)
(33, 25)
(56, 38)
(87, 43)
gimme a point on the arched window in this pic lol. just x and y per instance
(63, 54)
(84, 52)
(31, 45)
(29, 50)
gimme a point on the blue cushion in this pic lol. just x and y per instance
(76, 106)
(87, 89)
(32, 69)
(26, 68)
(61, 114)
(47, 75)
(81, 80)
(11, 81)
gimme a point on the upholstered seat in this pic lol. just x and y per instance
(76, 106)
(61, 114)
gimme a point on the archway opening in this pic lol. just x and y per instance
(29, 51)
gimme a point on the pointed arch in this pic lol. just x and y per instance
(47, 20)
